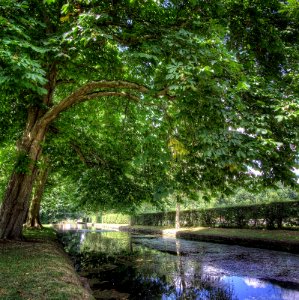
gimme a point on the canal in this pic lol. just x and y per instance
(121, 265)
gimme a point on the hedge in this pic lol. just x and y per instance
(271, 215)
(109, 218)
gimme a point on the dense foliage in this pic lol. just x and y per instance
(242, 196)
(187, 96)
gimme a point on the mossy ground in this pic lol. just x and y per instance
(38, 268)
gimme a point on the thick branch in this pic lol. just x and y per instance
(116, 94)
(85, 160)
(165, 93)
(80, 153)
(60, 81)
(86, 93)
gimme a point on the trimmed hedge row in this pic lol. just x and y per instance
(115, 218)
(270, 215)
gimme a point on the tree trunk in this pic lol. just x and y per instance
(16, 201)
(15, 206)
(177, 215)
(33, 218)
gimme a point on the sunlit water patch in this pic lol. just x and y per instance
(123, 266)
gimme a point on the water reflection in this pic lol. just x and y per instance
(71, 226)
(121, 266)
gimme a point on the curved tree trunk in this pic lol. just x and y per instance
(33, 218)
(15, 205)
(14, 209)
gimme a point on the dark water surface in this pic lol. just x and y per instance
(119, 265)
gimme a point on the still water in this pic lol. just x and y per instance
(120, 265)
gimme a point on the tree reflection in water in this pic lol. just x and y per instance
(113, 261)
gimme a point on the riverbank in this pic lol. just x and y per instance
(121, 265)
(38, 268)
(280, 240)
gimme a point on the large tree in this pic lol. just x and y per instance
(219, 86)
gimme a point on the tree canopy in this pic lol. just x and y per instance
(218, 79)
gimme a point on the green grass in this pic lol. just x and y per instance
(38, 269)
(276, 235)
(46, 233)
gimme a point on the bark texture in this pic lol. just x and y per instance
(15, 206)
(33, 218)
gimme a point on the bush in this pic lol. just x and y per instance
(270, 215)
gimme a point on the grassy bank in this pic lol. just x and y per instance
(282, 240)
(277, 235)
(38, 268)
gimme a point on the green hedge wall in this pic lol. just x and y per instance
(109, 218)
(270, 215)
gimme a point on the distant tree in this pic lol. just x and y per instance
(242, 196)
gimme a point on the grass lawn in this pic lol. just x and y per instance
(277, 235)
(281, 240)
(38, 269)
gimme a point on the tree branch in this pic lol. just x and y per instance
(85, 93)
(93, 90)
(116, 94)
(85, 160)
(80, 153)
(164, 93)
(60, 81)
